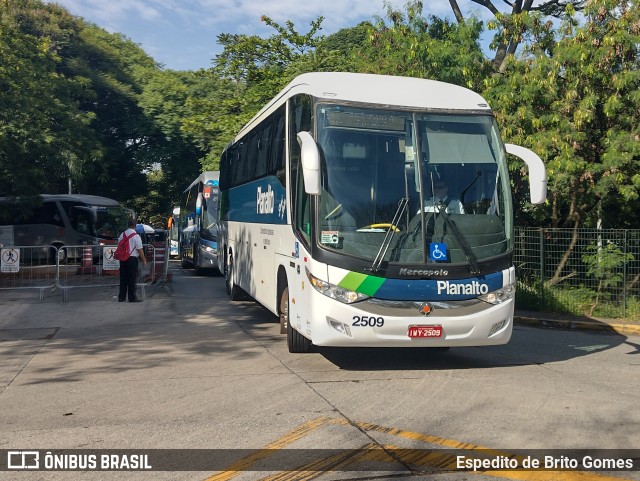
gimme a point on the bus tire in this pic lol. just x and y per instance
(233, 290)
(283, 307)
(296, 342)
(226, 274)
(196, 262)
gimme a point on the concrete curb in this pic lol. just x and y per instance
(619, 328)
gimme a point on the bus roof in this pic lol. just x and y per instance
(84, 198)
(385, 90)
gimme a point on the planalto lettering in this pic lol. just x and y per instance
(473, 288)
(265, 201)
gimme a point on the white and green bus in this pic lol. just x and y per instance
(328, 215)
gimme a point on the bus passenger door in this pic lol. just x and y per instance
(266, 270)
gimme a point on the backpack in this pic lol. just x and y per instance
(122, 252)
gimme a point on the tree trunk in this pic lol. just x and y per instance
(557, 275)
(456, 10)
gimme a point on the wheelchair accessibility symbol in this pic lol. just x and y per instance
(438, 251)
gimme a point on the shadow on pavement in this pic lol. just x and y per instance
(89, 338)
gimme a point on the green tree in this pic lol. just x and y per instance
(108, 64)
(90, 106)
(409, 44)
(246, 75)
(45, 137)
(214, 112)
(578, 107)
(348, 42)
(605, 264)
(513, 23)
(164, 98)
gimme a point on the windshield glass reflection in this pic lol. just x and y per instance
(426, 179)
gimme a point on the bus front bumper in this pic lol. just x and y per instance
(377, 323)
(208, 257)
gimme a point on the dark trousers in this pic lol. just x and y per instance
(128, 278)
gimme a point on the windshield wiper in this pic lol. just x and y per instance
(386, 242)
(462, 240)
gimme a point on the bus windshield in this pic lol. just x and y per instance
(409, 188)
(210, 213)
(105, 222)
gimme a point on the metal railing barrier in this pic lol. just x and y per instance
(29, 267)
(48, 268)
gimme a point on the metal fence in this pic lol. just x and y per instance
(33, 268)
(49, 269)
(584, 272)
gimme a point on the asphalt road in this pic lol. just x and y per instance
(188, 369)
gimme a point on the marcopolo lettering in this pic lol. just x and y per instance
(423, 272)
(470, 288)
(265, 201)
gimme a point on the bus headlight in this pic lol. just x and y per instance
(500, 295)
(334, 292)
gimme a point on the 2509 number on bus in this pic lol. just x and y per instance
(368, 321)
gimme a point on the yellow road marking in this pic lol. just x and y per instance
(318, 468)
(245, 463)
(393, 454)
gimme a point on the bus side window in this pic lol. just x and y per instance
(301, 200)
(277, 159)
(49, 214)
(83, 223)
(300, 120)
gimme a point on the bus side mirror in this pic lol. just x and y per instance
(537, 172)
(310, 158)
(199, 204)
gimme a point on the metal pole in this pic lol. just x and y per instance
(541, 249)
(624, 276)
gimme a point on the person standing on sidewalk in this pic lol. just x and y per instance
(129, 268)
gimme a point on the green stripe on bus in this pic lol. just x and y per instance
(352, 281)
(371, 285)
(362, 283)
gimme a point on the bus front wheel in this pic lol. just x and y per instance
(196, 261)
(296, 342)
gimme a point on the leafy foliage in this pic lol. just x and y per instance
(73, 110)
(44, 137)
(412, 45)
(513, 25)
(246, 75)
(578, 107)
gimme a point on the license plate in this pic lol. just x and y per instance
(425, 331)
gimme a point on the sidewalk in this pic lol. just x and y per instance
(562, 321)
